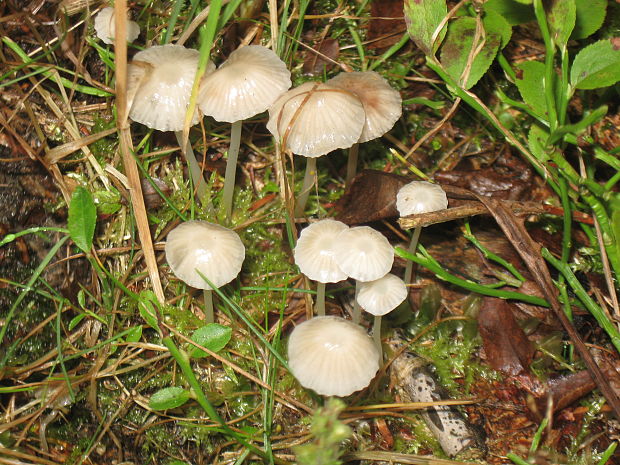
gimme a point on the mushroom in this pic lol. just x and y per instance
(415, 198)
(382, 105)
(314, 255)
(313, 120)
(246, 84)
(160, 79)
(365, 255)
(379, 298)
(332, 356)
(105, 28)
(196, 250)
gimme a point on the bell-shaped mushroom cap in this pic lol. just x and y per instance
(314, 119)
(382, 103)
(383, 295)
(364, 254)
(105, 28)
(420, 197)
(332, 356)
(211, 249)
(162, 98)
(246, 84)
(314, 252)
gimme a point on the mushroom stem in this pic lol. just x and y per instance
(413, 245)
(376, 335)
(307, 186)
(194, 168)
(352, 164)
(357, 310)
(208, 294)
(320, 299)
(231, 168)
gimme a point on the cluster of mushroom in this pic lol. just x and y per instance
(331, 355)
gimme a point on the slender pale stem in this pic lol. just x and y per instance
(357, 310)
(231, 168)
(208, 293)
(320, 299)
(194, 168)
(307, 186)
(352, 163)
(413, 245)
(376, 335)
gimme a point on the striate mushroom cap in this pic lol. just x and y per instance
(314, 119)
(105, 28)
(160, 78)
(383, 295)
(420, 197)
(246, 84)
(213, 250)
(314, 252)
(364, 254)
(332, 356)
(382, 103)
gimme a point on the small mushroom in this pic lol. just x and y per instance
(313, 120)
(332, 356)
(314, 255)
(415, 198)
(246, 84)
(365, 255)
(198, 249)
(105, 28)
(379, 298)
(382, 105)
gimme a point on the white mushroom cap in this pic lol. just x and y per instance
(246, 84)
(105, 28)
(161, 100)
(329, 119)
(420, 197)
(383, 295)
(382, 103)
(364, 254)
(332, 356)
(215, 251)
(314, 252)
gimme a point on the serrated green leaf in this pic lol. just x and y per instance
(512, 11)
(597, 65)
(167, 398)
(82, 219)
(529, 81)
(147, 307)
(134, 334)
(457, 47)
(494, 23)
(589, 18)
(423, 17)
(212, 336)
(536, 141)
(561, 16)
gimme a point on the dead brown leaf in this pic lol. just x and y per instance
(387, 25)
(321, 59)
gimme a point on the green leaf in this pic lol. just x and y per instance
(597, 65)
(147, 307)
(529, 81)
(512, 11)
(422, 18)
(590, 17)
(167, 398)
(134, 334)
(561, 16)
(589, 118)
(536, 141)
(82, 219)
(76, 321)
(108, 202)
(494, 23)
(212, 336)
(457, 47)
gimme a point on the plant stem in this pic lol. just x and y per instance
(320, 299)
(307, 186)
(357, 310)
(352, 163)
(208, 295)
(231, 168)
(194, 168)
(376, 335)
(549, 78)
(413, 245)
